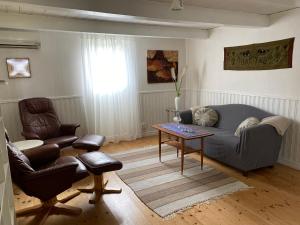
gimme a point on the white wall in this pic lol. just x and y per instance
(143, 44)
(273, 90)
(206, 59)
(56, 72)
(56, 67)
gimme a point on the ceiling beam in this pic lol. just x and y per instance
(42, 23)
(152, 10)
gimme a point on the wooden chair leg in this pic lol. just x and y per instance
(99, 189)
(112, 191)
(95, 197)
(69, 197)
(86, 190)
(29, 210)
(41, 218)
(62, 209)
(52, 206)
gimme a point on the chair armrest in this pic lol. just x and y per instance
(186, 117)
(68, 129)
(43, 154)
(47, 183)
(30, 135)
(260, 145)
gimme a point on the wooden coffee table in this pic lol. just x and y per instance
(182, 133)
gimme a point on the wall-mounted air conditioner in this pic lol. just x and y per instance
(20, 44)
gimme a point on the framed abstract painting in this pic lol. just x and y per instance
(159, 64)
(18, 68)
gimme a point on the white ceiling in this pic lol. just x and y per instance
(203, 14)
(93, 15)
(264, 7)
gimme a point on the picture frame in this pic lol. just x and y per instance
(18, 68)
(159, 64)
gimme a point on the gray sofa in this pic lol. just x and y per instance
(257, 146)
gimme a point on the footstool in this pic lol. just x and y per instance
(98, 163)
(89, 142)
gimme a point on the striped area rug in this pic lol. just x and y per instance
(162, 187)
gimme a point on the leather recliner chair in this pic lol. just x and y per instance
(40, 121)
(43, 174)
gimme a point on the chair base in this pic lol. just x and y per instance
(52, 206)
(99, 189)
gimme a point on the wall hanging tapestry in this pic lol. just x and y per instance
(262, 56)
(159, 64)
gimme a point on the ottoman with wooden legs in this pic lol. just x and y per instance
(98, 163)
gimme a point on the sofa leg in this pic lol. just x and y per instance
(245, 173)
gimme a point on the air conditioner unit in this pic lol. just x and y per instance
(20, 44)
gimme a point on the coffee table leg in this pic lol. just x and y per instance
(177, 139)
(159, 144)
(182, 155)
(202, 150)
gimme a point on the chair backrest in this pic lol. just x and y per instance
(19, 164)
(231, 115)
(39, 117)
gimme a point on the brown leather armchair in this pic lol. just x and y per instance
(40, 121)
(43, 174)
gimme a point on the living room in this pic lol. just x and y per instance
(159, 105)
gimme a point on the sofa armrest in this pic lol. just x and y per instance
(68, 129)
(186, 117)
(259, 146)
(47, 183)
(43, 154)
(30, 135)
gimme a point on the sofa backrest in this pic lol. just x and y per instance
(231, 115)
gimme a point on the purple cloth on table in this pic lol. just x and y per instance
(186, 130)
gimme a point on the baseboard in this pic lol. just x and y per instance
(289, 163)
(148, 133)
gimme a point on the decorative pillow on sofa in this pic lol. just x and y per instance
(249, 122)
(204, 116)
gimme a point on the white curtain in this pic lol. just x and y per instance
(110, 92)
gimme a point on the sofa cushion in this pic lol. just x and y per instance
(204, 116)
(222, 144)
(249, 122)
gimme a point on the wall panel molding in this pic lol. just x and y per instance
(153, 105)
(284, 106)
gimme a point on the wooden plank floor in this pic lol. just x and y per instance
(274, 200)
